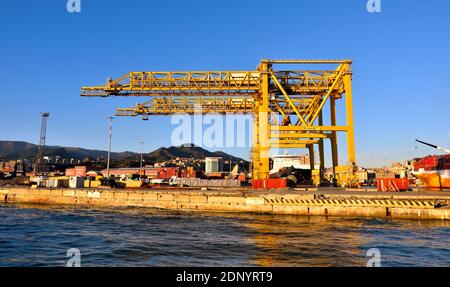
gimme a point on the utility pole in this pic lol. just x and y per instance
(109, 146)
(40, 163)
(142, 152)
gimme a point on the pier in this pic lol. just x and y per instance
(306, 202)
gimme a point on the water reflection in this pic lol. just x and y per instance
(307, 241)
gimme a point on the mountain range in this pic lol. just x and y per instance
(10, 150)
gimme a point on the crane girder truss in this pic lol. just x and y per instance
(212, 105)
(210, 83)
(286, 105)
(189, 105)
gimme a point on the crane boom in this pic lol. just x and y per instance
(435, 146)
(194, 83)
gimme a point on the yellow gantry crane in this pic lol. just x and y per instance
(287, 105)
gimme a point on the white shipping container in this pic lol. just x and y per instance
(76, 182)
(196, 182)
(51, 183)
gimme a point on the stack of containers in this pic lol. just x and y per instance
(271, 183)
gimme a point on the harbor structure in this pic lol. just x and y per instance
(287, 105)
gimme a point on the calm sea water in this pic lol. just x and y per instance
(37, 235)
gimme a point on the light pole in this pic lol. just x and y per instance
(109, 146)
(142, 152)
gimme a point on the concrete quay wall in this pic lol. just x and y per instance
(269, 203)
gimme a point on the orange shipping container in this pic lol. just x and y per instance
(242, 177)
(70, 172)
(80, 171)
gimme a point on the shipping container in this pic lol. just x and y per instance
(152, 173)
(70, 172)
(271, 183)
(80, 171)
(213, 164)
(76, 182)
(92, 183)
(433, 162)
(197, 182)
(427, 163)
(57, 182)
(447, 162)
(166, 173)
(392, 184)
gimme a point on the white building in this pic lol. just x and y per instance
(213, 164)
(300, 161)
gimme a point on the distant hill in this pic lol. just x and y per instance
(22, 150)
(10, 150)
(186, 151)
(226, 156)
(17, 149)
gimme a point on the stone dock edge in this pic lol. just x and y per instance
(308, 203)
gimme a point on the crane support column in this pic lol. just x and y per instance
(254, 157)
(311, 156)
(263, 122)
(349, 113)
(321, 149)
(333, 137)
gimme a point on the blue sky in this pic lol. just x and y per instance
(401, 64)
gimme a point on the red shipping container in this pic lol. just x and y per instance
(263, 184)
(153, 173)
(282, 183)
(164, 173)
(271, 183)
(447, 162)
(277, 183)
(427, 163)
(392, 184)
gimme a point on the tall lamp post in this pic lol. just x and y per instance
(109, 146)
(142, 159)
